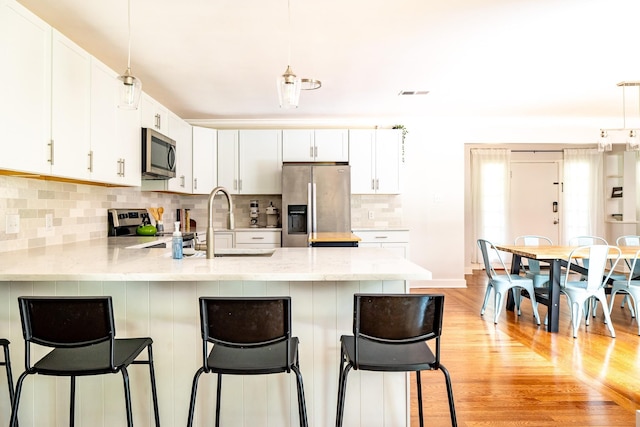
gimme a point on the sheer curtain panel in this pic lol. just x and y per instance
(490, 194)
(583, 193)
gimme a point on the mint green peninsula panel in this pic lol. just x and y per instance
(156, 296)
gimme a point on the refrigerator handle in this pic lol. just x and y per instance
(315, 210)
(309, 209)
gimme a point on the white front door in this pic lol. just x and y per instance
(535, 198)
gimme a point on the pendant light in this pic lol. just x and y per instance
(289, 84)
(623, 134)
(289, 89)
(130, 87)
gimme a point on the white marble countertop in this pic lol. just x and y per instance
(109, 259)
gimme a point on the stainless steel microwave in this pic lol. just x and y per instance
(158, 155)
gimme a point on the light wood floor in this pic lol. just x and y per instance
(516, 374)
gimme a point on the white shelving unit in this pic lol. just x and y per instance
(620, 212)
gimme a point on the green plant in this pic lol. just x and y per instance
(404, 134)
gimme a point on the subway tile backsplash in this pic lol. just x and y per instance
(80, 211)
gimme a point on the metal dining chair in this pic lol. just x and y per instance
(503, 283)
(531, 267)
(628, 240)
(580, 292)
(593, 240)
(629, 287)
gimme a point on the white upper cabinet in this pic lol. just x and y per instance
(375, 157)
(319, 145)
(115, 133)
(58, 106)
(228, 160)
(261, 161)
(154, 115)
(130, 147)
(181, 132)
(25, 89)
(205, 143)
(70, 109)
(250, 161)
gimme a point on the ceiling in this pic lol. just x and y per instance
(219, 59)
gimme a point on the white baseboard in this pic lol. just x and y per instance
(438, 283)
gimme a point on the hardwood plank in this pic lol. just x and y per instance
(515, 373)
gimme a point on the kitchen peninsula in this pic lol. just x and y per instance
(155, 295)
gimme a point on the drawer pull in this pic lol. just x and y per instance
(257, 238)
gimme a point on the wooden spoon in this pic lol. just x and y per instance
(154, 213)
(160, 212)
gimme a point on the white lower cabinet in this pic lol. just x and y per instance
(394, 240)
(258, 239)
(223, 239)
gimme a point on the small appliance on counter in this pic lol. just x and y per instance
(272, 216)
(253, 213)
(126, 222)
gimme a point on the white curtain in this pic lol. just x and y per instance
(583, 211)
(490, 194)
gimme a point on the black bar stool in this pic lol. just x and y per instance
(81, 331)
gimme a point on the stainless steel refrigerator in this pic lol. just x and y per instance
(315, 198)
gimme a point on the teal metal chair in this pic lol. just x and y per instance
(531, 267)
(593, 240)
(628, 240)
(581, 291)
(503, 283)
(629, 287)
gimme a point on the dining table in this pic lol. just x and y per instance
(557, 256)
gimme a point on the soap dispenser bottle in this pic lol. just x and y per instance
(176, 243)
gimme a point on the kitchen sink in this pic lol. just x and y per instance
(230, 252)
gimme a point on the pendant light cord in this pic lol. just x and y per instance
(289, 24)
(129, 34)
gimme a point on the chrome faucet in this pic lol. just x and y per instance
(210, 234)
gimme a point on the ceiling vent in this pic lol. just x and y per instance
(412, 92)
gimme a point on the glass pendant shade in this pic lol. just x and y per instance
(130, 91)
(633, 141)
(289, 89)
(604, 144)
